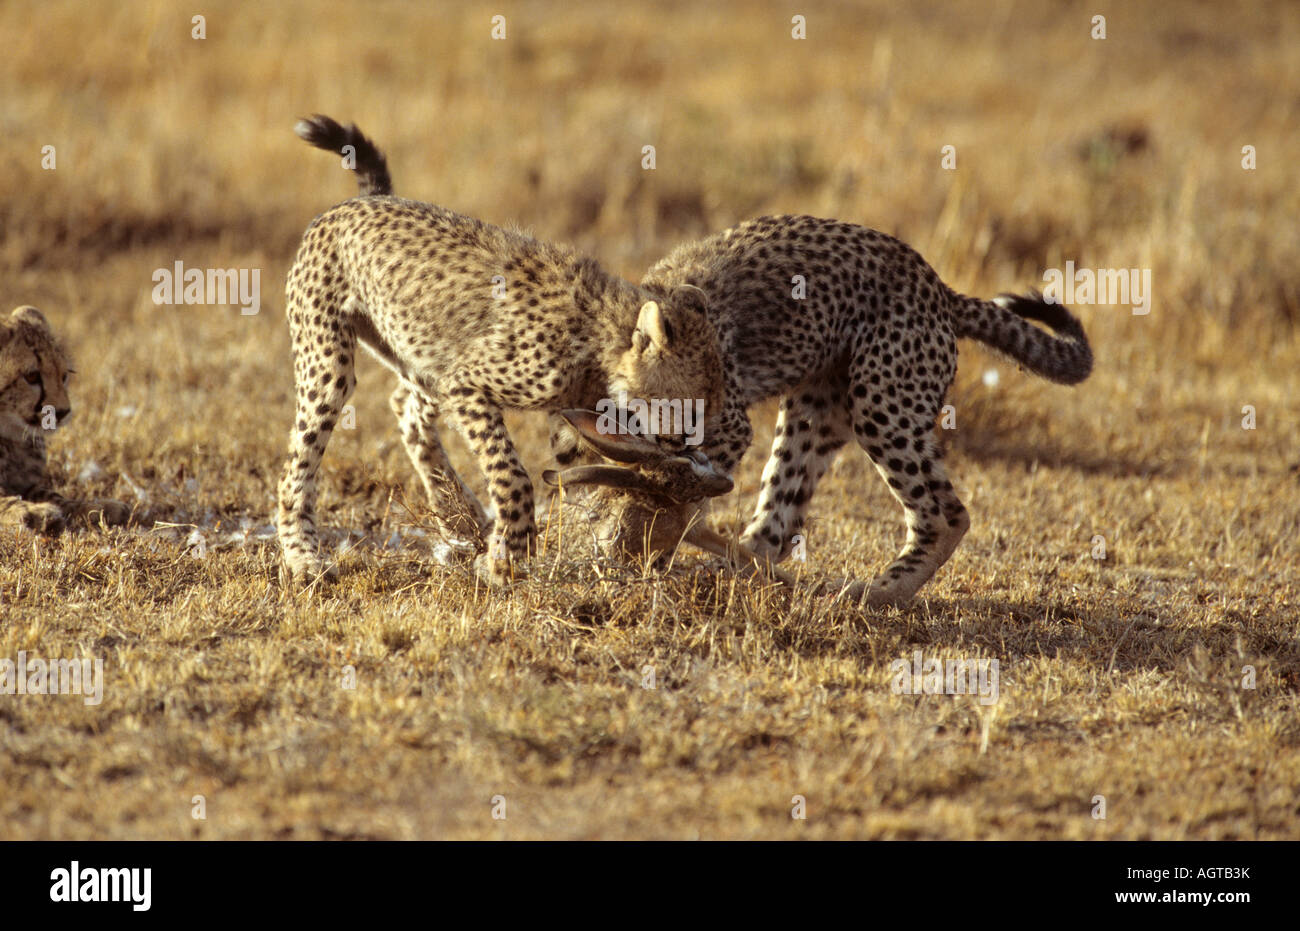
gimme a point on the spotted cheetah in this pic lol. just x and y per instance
(473, 319)
(866, 350)
(34, 373)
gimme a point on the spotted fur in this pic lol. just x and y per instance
(868, 353)
(474, 319)
(34, 374)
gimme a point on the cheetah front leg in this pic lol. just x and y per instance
(514, 531)
(811, 428)
(53, 513)
(462, 520)
(726, 446)
(43, 517)
(726, 442)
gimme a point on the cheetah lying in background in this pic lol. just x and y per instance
(34, 375)
(473, 319)
(869, 352)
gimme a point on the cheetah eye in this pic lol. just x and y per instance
(33, 378)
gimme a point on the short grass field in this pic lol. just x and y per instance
(1132, 563)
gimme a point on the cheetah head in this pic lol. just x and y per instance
(674, 363)
(646, 498)
(33, 376)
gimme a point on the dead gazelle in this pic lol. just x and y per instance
(650, 512)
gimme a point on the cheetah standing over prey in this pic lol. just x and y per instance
(473, 319)
(34, 375)
(867, 352)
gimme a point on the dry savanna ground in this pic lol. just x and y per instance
(1132, 560)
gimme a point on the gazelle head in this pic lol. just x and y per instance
(648, 497)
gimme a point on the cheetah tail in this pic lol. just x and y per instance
(369, 163)
(1063, 356)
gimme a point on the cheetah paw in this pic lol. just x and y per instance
(305, 576)
(43, 517)
(863, 594)
(497, 572)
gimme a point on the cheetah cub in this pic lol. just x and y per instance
(865, 349)
(34, 375)
(473, 319)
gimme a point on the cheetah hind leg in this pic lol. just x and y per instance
(461, 521)
(909, 459)
(322, 387)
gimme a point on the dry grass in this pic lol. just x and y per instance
(1119, 677)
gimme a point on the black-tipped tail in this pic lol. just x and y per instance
(367, 161)
(1063, 356)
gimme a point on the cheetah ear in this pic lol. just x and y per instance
(31, 317)
(650, 327)
(688, 295)
(620, 447)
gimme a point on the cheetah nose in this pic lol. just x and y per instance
(61, 412)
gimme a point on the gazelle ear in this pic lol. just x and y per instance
(621, 447)
(650, 325)
(602, 475)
